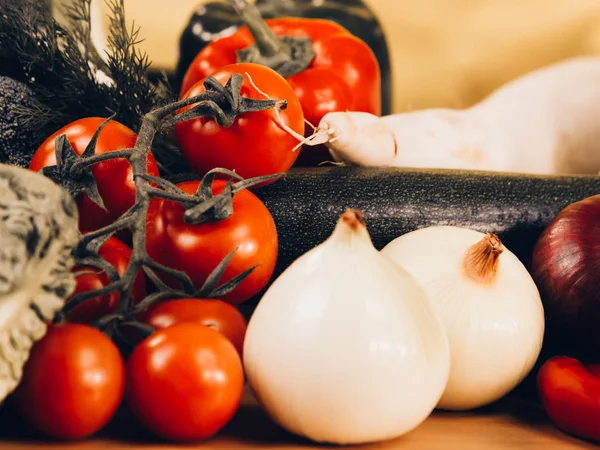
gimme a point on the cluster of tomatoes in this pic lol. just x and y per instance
(184, 381)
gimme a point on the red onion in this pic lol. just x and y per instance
(566, 268)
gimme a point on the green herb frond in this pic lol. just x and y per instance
(128, 67)
(60, 64)
(78, 15)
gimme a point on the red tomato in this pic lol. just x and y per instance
(198, 249)
(114, 178)
(72, 383)
(117, 254)
(184, 382)
(256, 144)
(570, 394)
(215, 314)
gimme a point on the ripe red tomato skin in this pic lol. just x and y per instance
(114, 178)
(72, 383)
(256, 144)
(184, 382)
(251, 229)
(217, 314)
(117, 254)
(570, 394)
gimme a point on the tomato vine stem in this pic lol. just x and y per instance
(221, 102)
(83, 163)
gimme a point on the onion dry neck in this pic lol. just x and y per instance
(353, 218)
(481, 259)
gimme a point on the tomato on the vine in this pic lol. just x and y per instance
(117, 254)
(73, 382)
(114, 178)
(256, 144)
(197, 249)
(216, 314)
(184, 382)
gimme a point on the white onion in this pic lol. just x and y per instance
(489, 305)
(344, 346)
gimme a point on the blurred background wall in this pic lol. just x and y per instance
(445, 53)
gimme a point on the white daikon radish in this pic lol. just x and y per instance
(546, 122)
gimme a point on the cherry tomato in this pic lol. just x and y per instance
(215, 314)
(198, 249)
(256, 144)
(184, 382)
(73, 382)
(117, 254)
(570, 394)
(114, 178)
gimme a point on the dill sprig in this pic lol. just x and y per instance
(60, 65)
(79, 16)
(128, 67)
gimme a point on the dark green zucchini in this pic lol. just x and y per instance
(307, 203)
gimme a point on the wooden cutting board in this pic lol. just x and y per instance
(509, 424)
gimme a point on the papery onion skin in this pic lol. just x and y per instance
(565, 265)
(495, 325)
(344, 347)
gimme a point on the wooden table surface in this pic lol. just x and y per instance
(509, 424)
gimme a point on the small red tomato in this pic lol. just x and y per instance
(256, 144)
(114, 178)
(117, 254)
(72, 383)
(570, 394)
(198, 249)
(184, 382)
(215, 314)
